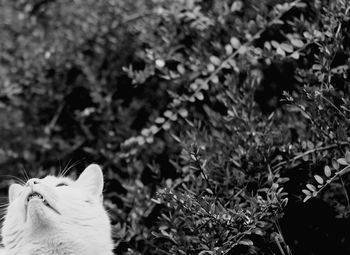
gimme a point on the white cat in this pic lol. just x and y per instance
(58, 216)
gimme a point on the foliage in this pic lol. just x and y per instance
(313, 191)
(209, 117)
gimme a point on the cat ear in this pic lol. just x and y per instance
(14, 191)
(92, 179)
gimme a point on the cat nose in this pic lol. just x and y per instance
(32, 182)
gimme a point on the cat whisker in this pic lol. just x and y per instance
(17, 179)
(3, 212)
(25, 174)
(3, 217)
(112, 214)
(60, 171)
(68, 167)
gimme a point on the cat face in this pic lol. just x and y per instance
(56, 215)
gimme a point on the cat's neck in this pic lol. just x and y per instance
(57, 243)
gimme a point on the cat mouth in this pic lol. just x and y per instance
(36, 195)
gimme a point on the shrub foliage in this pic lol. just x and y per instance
(213, 120)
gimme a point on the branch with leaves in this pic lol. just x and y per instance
(330, 174)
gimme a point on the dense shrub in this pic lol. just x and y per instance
(209, 117)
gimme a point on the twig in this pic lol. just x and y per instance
(345, 192)
(134, 17)
(54, 119)
(335, 107)
(200, 168)
(311, 119)
(279, 245)
(308, 152)
(283, 241)
(340, 173)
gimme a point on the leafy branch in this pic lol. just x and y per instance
(165, 120)
(312, 190)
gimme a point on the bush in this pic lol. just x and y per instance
(209, 117)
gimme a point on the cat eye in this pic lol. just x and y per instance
(61, 184)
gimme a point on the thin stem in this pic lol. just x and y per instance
(279, 245)
(309, 152)
(200, 168)
(312, 120)
(345, 192)
(341, 172)
(283, 241)
(335, 107)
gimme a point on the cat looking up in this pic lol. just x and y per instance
(58, 216)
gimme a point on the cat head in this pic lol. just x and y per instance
(58, 208)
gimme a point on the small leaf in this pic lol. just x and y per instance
(347, 157)
(316, 67)
(327, 171)
(306, 157)
(193, 157)
(210, 192)
(160, 63)
(311, 187)
(156, 201)
(236, 6)
(183, 112)
(246, 242)
(159, 120)
(306, 198)
(335, 164)
(215, 79)
(211, 67)
(215, 60)
(297, 42)
(310, 145)
(307, 192)
(307, 35)
(176, 138)
(205, 253)
(300, 5)
(235, 42)
(228, 49)
(267, 45)
(318, 179)
(275, 44)
(342, 161)
(281, 52)
(168, 113)
(295, 55)
(199, 96)
(242, 50)
(287, 47)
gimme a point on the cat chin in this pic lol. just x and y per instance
(39, 214)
